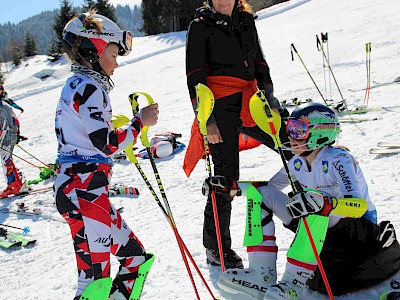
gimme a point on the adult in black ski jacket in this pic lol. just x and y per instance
(223, 52)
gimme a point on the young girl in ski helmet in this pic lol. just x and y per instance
(86, 143)
(352, 245)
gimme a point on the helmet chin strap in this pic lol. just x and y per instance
(303, 154)
(306, 153)
(98, 68)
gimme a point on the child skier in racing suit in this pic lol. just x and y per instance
(86, 144)
(353, 248)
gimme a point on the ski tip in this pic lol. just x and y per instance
(17, 244)
(384, 151)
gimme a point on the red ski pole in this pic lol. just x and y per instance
(205, 101)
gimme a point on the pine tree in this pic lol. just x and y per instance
(53, 52)
(171, 15)
(187, 9)
(129, 19)
(89, 5)
(14, 49)
(161, 16)
(1, 73)
(64, 15)
(45, 36)
(30, 45)
(153, 14)
(102, 7)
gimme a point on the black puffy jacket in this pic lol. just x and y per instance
(219, 45)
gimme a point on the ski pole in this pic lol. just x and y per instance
(145, 141)
(26, 229)
(133, 159)
(205, 106)
(270, 122)
(323, 68)
(330, 69)
(293, 48)
(2, 136)
(173, 226)
(46, 165)
(324, 39)
(28, 162)
(131, 156)
(168, 213)
(368, 67)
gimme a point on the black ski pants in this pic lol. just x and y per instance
(225, 157)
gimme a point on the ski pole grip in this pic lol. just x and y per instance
(267, 119)
(293, 47)
(324, 37)
(144, 132)
(319, 46)
(291, 51)
(134, 102)
(205, 106)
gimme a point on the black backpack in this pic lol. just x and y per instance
(357, 254)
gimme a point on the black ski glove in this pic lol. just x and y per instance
(21, 138)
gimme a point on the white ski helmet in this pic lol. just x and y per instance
(162, 149)
(93, 42)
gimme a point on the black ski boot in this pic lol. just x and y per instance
(231, 259)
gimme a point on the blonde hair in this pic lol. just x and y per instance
(244, 6)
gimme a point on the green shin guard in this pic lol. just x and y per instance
(97, 290)
(253, 234)
(301, 249)
(144, 269)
